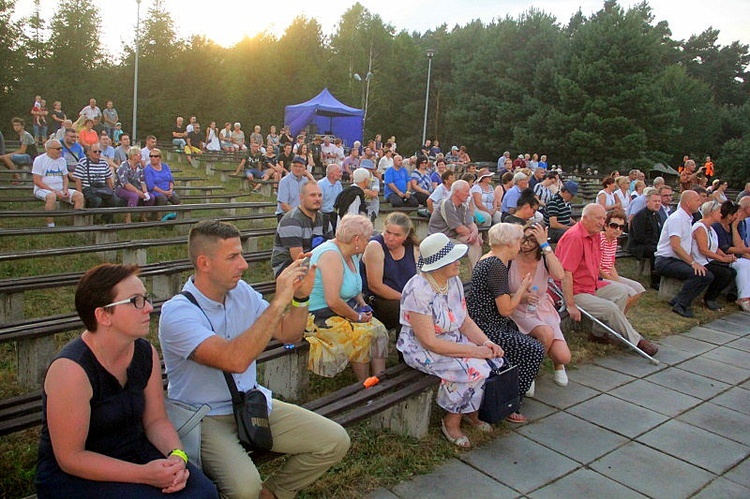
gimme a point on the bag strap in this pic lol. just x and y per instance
(71, 152)
(227, 377)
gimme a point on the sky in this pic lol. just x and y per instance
(228, 21)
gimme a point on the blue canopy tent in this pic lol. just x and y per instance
(327, 115)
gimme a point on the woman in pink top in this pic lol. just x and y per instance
(614, 225)
(542, 321)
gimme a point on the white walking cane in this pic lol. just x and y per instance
(603, 325)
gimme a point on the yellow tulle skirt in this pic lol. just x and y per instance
(341, 341)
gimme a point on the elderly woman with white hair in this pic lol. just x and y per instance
(491, 304)
(705, 250)
(341, 328)
(238, 137)
(130, 183)
(439, 338)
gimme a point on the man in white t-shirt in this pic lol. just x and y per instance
(50, 173)
(150, 144)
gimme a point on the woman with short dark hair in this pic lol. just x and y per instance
(388, 263)
(105, 431)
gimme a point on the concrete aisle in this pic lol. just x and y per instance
(622, 428)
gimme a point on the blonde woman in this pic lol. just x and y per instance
(341, 328)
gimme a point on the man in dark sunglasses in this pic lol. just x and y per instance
(94, 179)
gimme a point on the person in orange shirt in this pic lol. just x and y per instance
(708, 168)
(87, 136)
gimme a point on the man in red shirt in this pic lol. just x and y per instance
(579, 253)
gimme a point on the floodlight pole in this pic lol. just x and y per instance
(135, 76)
(430, 53)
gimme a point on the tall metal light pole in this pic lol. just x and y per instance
(135, 77)
(365, 92)
(365, 97)
(430, 53)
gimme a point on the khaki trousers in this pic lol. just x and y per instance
(314, 444)
(607, 306)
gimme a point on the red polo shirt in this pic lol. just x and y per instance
(579, 253)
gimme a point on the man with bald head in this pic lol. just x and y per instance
(455, 219)
(300, 229)
(689, 175)
(674, 259)
(397, 185)
(579, 253)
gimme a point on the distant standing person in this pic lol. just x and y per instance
(110, 116)
(92, 112)
(331, 187)
(57, 117)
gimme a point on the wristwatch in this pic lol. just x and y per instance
(547, 249)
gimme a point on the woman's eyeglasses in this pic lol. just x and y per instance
(154, 155)
(617, 226)
(138, 301)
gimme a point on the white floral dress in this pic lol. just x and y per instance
(463, 378)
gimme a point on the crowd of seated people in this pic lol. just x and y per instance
(361, 285)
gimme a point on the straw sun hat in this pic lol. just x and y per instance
(437, 251)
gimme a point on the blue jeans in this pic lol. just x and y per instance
(694, 283)
(21, 159)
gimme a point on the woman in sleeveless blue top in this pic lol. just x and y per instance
(341, 329)
(387, 265)
(105, 431)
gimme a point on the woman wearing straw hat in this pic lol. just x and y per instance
(439, 338)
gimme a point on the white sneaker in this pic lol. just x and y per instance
(530, 392)
(561, 377)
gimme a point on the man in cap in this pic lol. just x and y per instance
(557, 213)
(452, 157)
(290, 187)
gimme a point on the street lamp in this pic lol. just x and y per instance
(135, 77)
(366, 96)
(430, 53)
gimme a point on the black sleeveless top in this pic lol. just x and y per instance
(396, 273)
(116, 422)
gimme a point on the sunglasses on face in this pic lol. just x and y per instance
(617, 226)
(138, 301)
(154, 155)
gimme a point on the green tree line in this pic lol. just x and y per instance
(613, 89)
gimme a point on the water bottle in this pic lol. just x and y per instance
(531, 307)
